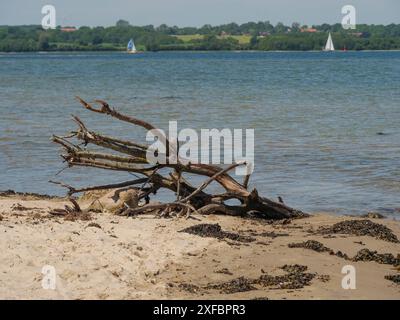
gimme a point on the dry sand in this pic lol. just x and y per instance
(112, 257)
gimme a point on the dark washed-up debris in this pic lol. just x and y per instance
(215, 231)
(318, 247)
(324, 277)
(294, 268)
(296, 278)
(393, 277)
(191, 288)
(361, 228)
(382, 258)
(362, 255)
(310, 244)
(271, 234)
(241, 284)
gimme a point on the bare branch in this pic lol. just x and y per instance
(73, 190)
(211, 179)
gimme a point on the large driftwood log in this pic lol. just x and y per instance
(130, 156)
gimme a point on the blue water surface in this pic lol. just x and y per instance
(326, 124)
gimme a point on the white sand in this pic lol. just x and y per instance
(139, 258)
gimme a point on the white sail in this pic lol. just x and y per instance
(134, 47)
(329, 44)
(131, 46)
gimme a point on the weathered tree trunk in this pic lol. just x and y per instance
(130, 156)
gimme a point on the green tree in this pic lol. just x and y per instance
(295, 26)
(280, 28)
(43, 43)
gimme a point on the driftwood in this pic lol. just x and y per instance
(130, 156)
(75, 209)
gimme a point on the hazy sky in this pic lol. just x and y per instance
(196, 12)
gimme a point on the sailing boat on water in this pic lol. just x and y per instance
(131, 47)
(329, 44)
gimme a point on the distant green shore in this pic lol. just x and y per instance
(260, 36)
(187, 51)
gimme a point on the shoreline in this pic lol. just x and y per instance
(103, 256)
(199, 51)
(361, 214)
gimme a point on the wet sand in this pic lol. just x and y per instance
(112, 257)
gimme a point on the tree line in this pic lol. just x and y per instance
(260, 35)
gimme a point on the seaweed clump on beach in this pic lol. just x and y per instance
(362, 255)
(393, 277)
(382, 258)
(318, 247)
(296, 278)
(241, 284)
(294, 268)
(268, 234)
(310, 244)
(191, 288)
(361, 228)
(215, 231)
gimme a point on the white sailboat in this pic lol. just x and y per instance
(329, 44)
(131, 47)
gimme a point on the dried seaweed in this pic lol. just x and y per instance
(361, 228)
(215, 231)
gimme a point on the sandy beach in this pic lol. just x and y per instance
(103, 256)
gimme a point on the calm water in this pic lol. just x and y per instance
(316, 117)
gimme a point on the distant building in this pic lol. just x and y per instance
(264, 34)
(309, 30)
(68, 29)
(357, 34)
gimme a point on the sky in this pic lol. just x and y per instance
(196, 12)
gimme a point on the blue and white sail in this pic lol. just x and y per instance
(131, 46)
